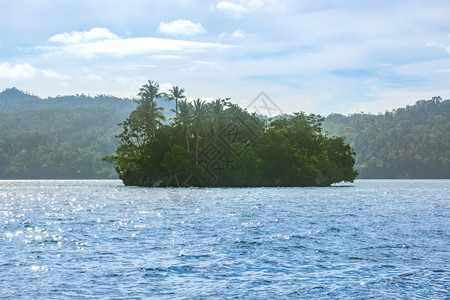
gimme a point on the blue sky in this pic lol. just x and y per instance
(317, 56)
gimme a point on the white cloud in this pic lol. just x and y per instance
(439, 45)
(181, 27)
(206, 63)
(235, 9)
(138, 66)
(75, 37)
(238, 8)
(165, 87)
(166, 57)
(55, 75)
(125, 47)
(17, 71)
(27, 72)
(238, 34)
(93, 77)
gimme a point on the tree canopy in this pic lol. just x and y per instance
(220, 144)
(410, 142)
(58, 143)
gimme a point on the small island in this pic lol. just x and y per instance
(219, 144)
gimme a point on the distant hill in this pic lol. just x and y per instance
(13, 99)
(410, 142)
(58, 143)
(61, 137)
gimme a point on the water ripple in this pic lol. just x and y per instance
(99, 239)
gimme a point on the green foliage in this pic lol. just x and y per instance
(176, 94)
(14, 100)
(65, 143)
(232, 148)
(245, 170)
(411, 142)
(62, 137)
(148, 113)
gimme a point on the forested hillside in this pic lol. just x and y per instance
(411, 142)
(66, 137)
(62, 137)
(14, 100)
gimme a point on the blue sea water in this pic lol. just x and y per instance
(101, 240)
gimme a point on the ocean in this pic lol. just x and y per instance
(97, 239)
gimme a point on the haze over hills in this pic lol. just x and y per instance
(61, 137)
(12, 100)
(410, 142)
(66, 137)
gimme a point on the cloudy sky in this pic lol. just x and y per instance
(317, 56)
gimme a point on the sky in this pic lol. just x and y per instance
(316, 56)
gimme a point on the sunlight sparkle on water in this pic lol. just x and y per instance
(370, 239)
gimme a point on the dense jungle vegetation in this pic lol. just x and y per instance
(58, 138)
(66, 137)
(220, 144)
(64, 143)
(411, 142)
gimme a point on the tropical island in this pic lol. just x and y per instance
(219, 144)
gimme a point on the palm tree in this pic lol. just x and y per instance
(176, 94)
(199, 114)
(184, 119)
(216, 109)
(150, 90)
(148, 108)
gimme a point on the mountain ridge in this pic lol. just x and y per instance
(13, 99)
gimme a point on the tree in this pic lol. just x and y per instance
(216, 118)
(175, 93)
(148, 110)
(184, 119)
(238, 149)
(199, 114)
